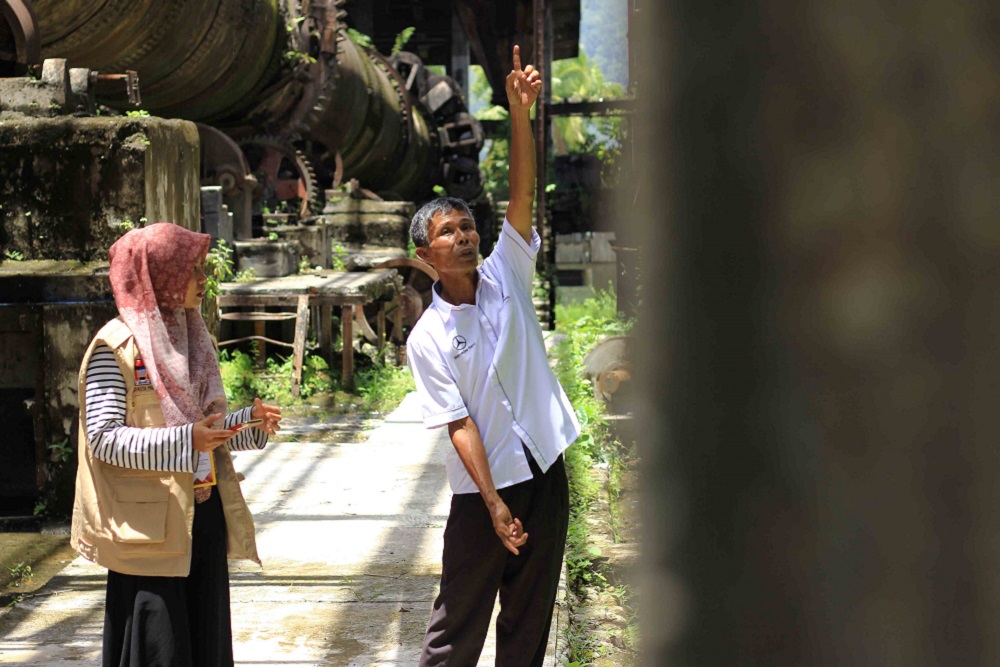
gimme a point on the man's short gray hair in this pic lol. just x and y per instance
(422, 219)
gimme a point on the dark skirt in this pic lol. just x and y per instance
(175, 621)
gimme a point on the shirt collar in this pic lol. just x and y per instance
(437, 301)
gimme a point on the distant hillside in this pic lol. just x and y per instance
(604, 34)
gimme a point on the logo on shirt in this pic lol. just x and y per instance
(462, 346)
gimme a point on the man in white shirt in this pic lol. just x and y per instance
(479, 362)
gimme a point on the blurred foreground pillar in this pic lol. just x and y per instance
(817, 196)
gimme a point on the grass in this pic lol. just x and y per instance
(20, 574)
(379, 387)
(584, 324)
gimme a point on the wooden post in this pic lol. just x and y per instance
(543, 60)
(397, 322)
(299, 343)
(259, 344)
(326, 333)
(347, 335)
(380, 324)
(540, 127)
(460, 59)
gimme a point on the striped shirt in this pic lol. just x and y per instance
(169, 448)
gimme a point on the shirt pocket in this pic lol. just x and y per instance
(139, 510)
(146, 411)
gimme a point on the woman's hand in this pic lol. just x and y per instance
(271, 415)
(206, 437)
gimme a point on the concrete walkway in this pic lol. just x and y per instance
(350, 535)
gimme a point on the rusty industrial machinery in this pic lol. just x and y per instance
(20, 47)
(286, 82)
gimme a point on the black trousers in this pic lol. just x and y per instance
(475, 565)
(175, 621)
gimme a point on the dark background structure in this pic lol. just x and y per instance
(486, 31)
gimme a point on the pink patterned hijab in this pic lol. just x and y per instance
(150, 271)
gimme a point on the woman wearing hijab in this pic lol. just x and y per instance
(151, 402)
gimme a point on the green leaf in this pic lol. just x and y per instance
(401, 39)
(495, 112)
(360, 38)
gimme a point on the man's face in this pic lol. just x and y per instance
(453, 243)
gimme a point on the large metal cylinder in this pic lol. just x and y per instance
(193, 61)
(283, 68)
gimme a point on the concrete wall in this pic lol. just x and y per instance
(68, 185)
(588, 257)
(358, 224)
(69, 188)
(42, 341)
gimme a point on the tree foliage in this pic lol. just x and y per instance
(577, 80)
(573, 80)
(604, 34)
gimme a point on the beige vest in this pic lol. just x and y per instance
(139, 521)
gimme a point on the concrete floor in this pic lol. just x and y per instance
(350, 535)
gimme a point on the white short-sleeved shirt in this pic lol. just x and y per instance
(487, 360)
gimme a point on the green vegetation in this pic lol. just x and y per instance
(584, 324)
(573, 80)
(20, 574)
(383, 386)
(247, 275)
(13, 255)
(580, 79)
(127, 225)
(360, 38)
(337, 255)
(293, 57)
(495, 162)
(401, 39)
(243, 380)
(138, 113)
(218, 267)
(604, 34)
(380, 387)
(60, 484)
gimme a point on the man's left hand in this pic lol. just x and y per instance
(522, 85)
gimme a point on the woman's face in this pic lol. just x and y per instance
(196, 286)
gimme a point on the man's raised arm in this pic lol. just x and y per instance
(522, 87)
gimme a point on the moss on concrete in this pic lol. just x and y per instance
(69, 187)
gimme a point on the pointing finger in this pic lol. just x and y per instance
(517, 58)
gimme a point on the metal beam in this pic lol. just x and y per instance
(617, 107)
